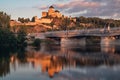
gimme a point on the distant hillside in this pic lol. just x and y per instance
(53, 20)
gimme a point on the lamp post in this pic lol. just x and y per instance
(67, 20)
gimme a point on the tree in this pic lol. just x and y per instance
(52, 24)
(7, 38)
(4, 20)
(37, 42)
(19, 19)
(23, 20)
(33, 19)
(65, 22)
(21, 36)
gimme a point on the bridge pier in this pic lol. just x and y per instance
(72, 42)
(107, 41)
(108, 44)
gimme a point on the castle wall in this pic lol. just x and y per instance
(44, 14)
(50, 11)
(45, 20)
(58, 15)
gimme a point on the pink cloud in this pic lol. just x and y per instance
(43, 7)
(73, 3)
(91, 7)
(78, 3)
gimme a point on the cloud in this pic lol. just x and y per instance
(60, 0)
(76, 6)
(109, 8)
(43, 7)
(100, 8)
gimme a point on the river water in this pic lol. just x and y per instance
(61, 62)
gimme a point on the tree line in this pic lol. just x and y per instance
(7, 37)
(83, 22)
(24, 20)
(68, 23)
(97, 22)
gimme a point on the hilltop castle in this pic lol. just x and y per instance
(47, 17)
(51, 13)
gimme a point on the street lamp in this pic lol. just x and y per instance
(67, 20)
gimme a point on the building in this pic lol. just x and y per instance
(47, 18)
(51, 13)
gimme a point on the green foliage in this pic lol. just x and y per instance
(97, 22)
(61, 23)
(7, 38)
(65, 23)
(21, 36)
(83, 22)
(33, 19)
(23, 20)
(37, 42)
(4, 20)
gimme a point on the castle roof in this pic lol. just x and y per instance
(57, 11)
(51, 7)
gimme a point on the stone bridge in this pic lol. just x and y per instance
(103, 33)
(100, 32)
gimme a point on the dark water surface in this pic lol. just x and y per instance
(59, 62)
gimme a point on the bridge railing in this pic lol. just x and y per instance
(95, 31)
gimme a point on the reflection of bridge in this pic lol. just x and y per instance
(61, 59)
(102, 33)
(57, 62)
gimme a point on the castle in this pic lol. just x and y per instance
(47, 18)
(51, 13)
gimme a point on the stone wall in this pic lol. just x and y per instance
(44, 14)
(45, 20)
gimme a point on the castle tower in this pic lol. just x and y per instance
(58, 14)
(44, 14)
(51, 10)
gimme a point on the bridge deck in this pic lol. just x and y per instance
(85, 32)
(101, 32)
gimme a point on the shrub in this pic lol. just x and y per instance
(37, 42)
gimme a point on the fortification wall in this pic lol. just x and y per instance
(45, 20)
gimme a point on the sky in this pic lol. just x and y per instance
(74, 8)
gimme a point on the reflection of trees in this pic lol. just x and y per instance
(4, 61)
(53, 64)
(21, 55)
(4, 67)
(5, 58)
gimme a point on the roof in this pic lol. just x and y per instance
(57, 11)
(51, 7)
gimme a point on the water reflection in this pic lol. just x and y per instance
(53, 61)
(6, 57)
(4, 67)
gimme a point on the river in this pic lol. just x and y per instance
(60, 62)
